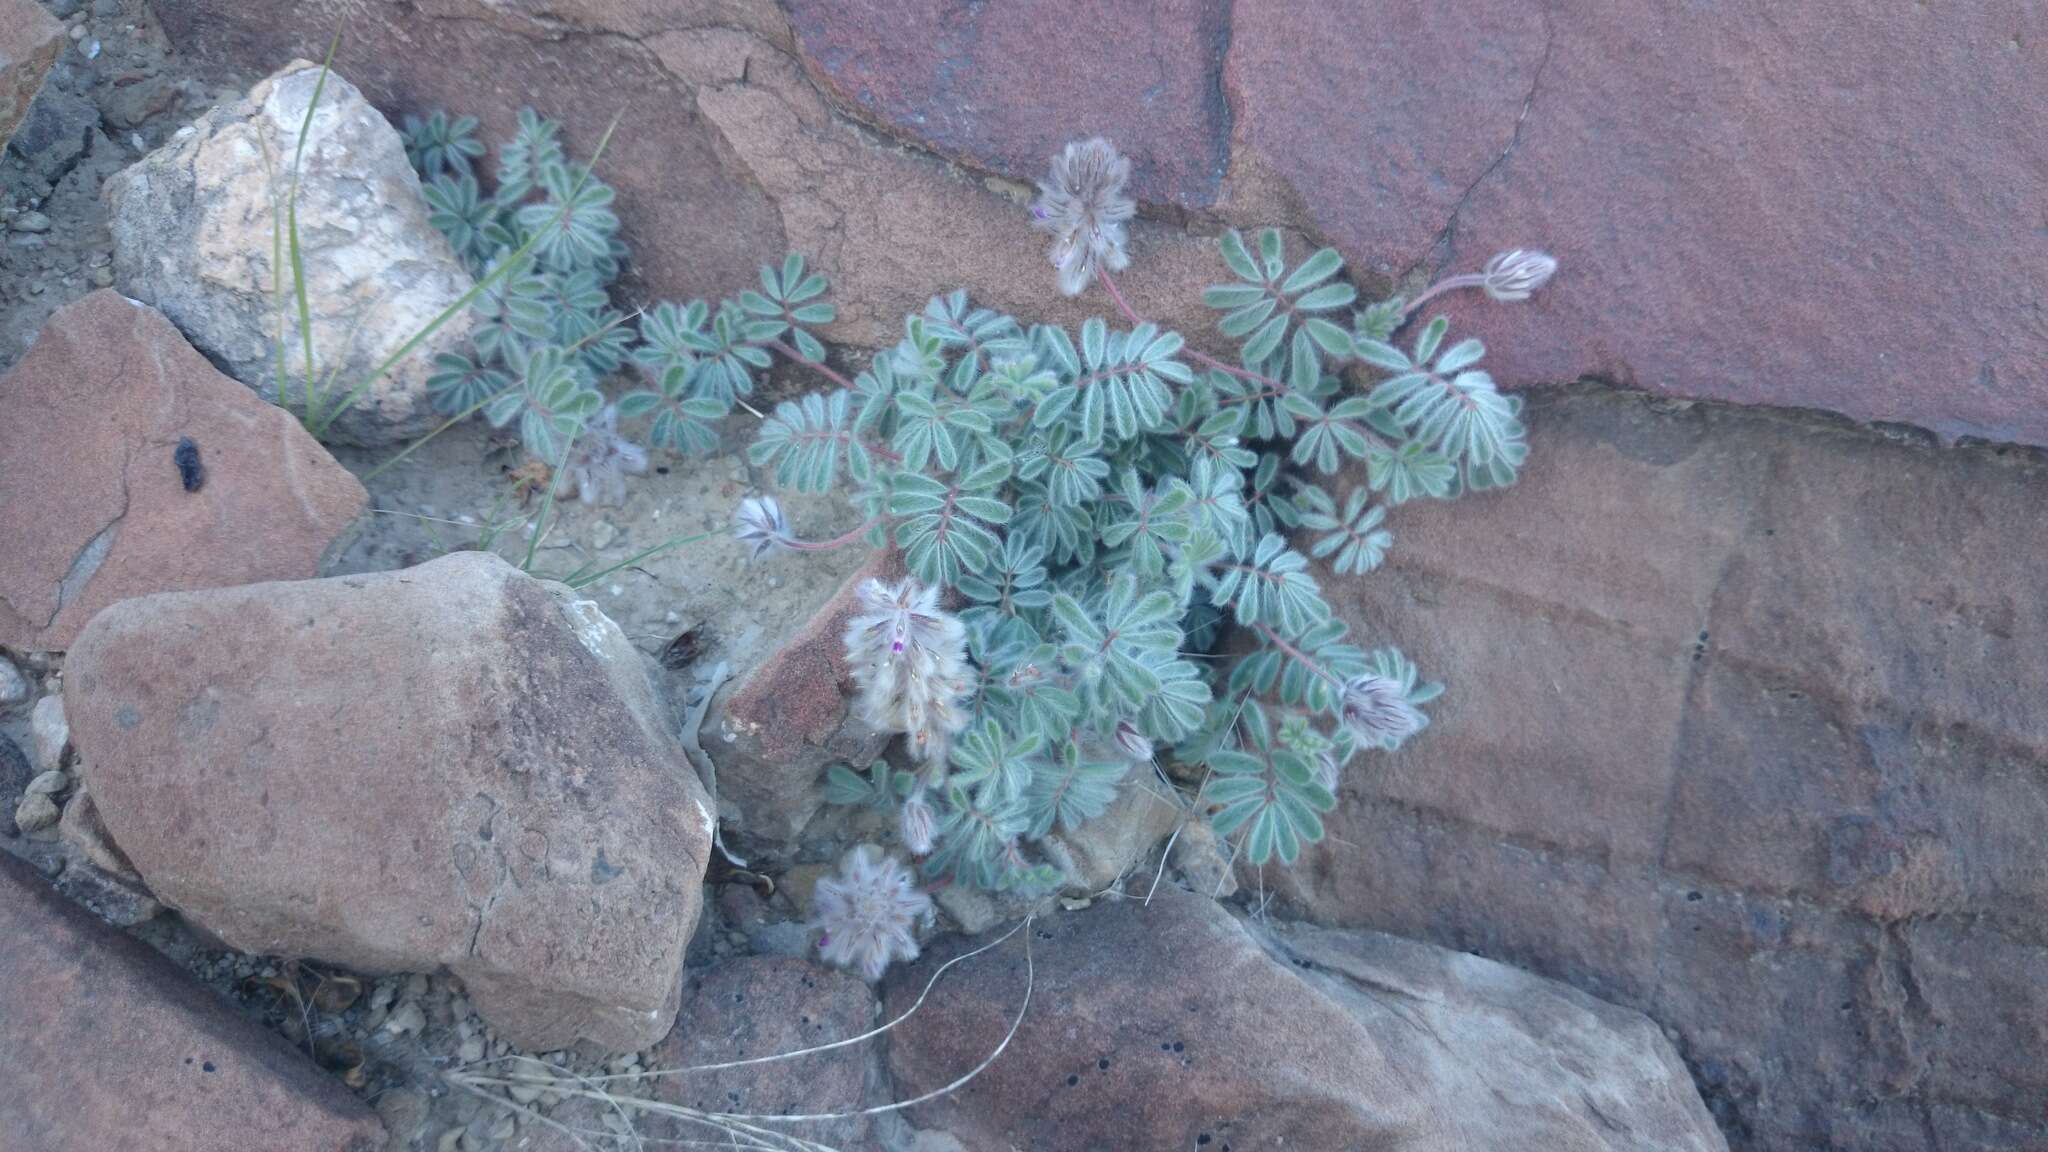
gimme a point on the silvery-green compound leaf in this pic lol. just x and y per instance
(682, 423)
(1070, 789)
(575, 222)
(804, 440)
(551, 402)
(1452, 408)
(1356, 540)
(459, 383)
(457, 209)
(439, 146)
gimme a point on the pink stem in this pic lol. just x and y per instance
(1130, 314)
(1447, 284)
(841, 541)
(1274, 639)
(817, 366)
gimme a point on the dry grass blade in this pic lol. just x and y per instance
(738, 1129)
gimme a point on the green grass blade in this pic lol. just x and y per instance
(291, 207)
(547, 504)
(575, 580)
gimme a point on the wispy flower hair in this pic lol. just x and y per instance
(761, 525)
(1082, 203)
(867, 914)
(1377, 710)
(909, 658)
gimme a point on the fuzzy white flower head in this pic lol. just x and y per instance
(1082, 203)
(867, 914)
(1376, 708)
(919, 824)
(760, 523)
(909, 658)
(1517, 273)
(603, 459)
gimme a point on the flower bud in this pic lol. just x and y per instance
(1132, 742)
(1326, 771)
(1518, 272)
(919, 825)
(760, 522)
(1376, 708)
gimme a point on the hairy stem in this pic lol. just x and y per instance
(1298, 655)
(1278, 388)
(818, 366)
(839, 541)
(1447, 284)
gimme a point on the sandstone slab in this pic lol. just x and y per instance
(1737, 218)
(1175, 1025)
(194, 231)
(451, 765)
(1743, 730)
(99, 508)
(30, 39)
(110, 1046)
(954, 77)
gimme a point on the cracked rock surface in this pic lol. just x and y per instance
(452, 765)
(1739, 216)
(1175, 1025)
(98, 507)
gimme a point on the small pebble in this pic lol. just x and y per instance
(525, 1092)
(32, 222)
(48, 733)
(14, 685)
(78, 31)
(50, 783)
(102, 277)
(407, 1020)
(35, 813)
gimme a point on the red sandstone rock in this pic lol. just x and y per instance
(1174, 1025)
(30, 39)
(98, 508)
(450, 765)
(110, 1046)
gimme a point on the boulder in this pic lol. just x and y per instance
(110, 1046)
(454, 764)
(99, 508)
(1743, 729)
(1175, 1025)
(193, 228)
(756, 1006)
(30, 39)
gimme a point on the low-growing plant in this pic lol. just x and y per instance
(1110, 536)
